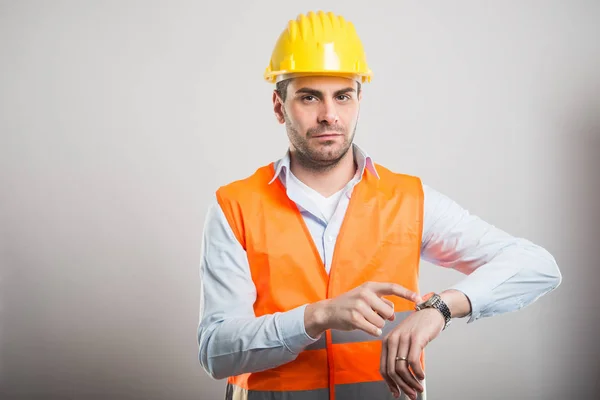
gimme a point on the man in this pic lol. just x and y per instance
(310, 265)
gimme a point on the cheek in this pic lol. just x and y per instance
(301, 119)
(349, 118)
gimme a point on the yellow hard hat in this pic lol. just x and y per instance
(318, 44)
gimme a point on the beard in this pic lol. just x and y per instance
(320, 156)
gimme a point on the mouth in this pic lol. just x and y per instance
(327, 135)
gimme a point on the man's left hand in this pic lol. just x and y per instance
(408, 340)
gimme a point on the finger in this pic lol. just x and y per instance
(386, 288)
(389, 303)
(383, 371)
(383, 307)
(402, 367)
(394, 348)
(371, 316)
(414, 359)
(361, 323)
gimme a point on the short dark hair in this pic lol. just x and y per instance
(281, 88)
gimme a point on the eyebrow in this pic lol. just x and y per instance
(319, 94)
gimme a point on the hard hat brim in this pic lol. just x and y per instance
(281, 76)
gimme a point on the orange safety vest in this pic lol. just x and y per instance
(380, 240)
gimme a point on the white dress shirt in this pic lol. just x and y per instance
(503, 273)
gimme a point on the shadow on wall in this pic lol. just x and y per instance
(576, 361)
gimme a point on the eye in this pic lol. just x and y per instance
(309, 98)
(343, 97)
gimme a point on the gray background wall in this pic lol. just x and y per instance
(119, 119)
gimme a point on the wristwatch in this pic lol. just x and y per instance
(433, 300)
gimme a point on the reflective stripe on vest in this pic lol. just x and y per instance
(379, 240)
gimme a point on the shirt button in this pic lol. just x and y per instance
(330, 238)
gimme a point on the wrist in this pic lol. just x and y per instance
(438, 315)
(457, 302)
(315, 319)
(433, 302)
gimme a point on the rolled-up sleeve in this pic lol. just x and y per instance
(504, 273)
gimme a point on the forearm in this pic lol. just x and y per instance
(244, 344)
(505, 272)
(512, 280)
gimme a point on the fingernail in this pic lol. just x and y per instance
(379, 332)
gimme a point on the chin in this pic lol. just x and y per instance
(330, 154)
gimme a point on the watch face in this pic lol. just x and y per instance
(431, 299)
(428, 300)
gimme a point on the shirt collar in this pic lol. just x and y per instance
(363, 160)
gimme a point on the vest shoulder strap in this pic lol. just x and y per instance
(239, 195)
(391, 183)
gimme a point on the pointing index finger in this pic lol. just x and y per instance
(382, 289)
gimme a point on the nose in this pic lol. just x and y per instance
(328, 113)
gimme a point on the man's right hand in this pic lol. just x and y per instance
(361, 308)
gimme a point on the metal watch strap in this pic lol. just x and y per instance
(442, 307)
(439, 304)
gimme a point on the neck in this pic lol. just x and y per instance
(329, 180)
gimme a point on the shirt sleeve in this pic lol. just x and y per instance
(504, 273)
(231, 339)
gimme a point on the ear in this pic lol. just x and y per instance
(277, 107)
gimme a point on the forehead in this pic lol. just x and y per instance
(322, 83)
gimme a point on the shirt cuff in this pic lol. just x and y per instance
(290, 325)
(478, 296)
